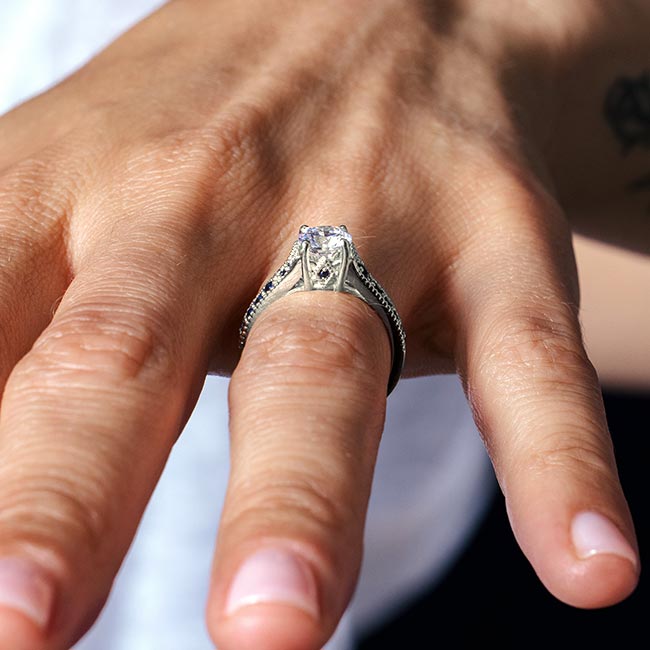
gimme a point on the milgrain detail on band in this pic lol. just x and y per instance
(322, 259)
(627, 111)
(380, 294)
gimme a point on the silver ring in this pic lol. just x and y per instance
(329, 261)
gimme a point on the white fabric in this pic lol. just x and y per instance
(432, 480)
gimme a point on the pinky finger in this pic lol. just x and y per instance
(538, 403)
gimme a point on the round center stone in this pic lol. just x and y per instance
(325, 239)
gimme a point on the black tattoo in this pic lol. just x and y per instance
(627, 110)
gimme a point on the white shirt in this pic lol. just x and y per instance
(432, 481)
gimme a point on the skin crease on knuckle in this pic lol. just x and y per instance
(525, 353)
(94, 344)
(295, 504)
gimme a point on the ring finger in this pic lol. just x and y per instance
(307, 403)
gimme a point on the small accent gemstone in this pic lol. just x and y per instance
(324, 239)
(268, 287)
(249, 311)
(283, 272)
(323, 273)
(259, 299)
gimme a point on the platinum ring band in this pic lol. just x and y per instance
(324, 258)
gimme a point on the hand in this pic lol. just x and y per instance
(144, 201)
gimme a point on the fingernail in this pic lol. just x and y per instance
(274, 575)
(24, 589)
(594, 534)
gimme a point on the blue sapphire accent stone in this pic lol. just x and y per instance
(249, 311)
(259, 299)
(268, 287)
(323, 273)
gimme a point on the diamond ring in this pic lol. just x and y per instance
(329, 261)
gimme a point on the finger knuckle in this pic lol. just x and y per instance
(244, 158)
(504, 185)
(508, 218)
(290, 502)
(232, 149)
(238, 137)
(105, 348)
(528, 342)
(581, 455)
(227, 166)
(51, 509)
(367, 164)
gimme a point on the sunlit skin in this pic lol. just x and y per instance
(144, 201)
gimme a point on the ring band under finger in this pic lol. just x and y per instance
(329, 261)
